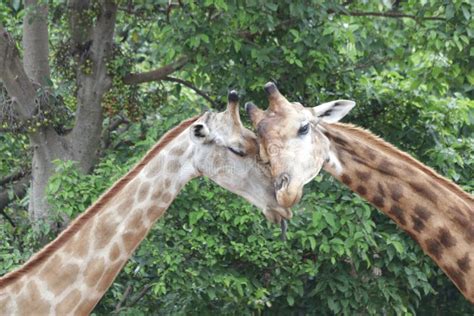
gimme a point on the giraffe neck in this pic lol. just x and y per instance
(73, 272)
(434, 211)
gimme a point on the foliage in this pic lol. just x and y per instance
(212, 252)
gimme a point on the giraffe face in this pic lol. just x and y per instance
(292, 141)
(226, 152)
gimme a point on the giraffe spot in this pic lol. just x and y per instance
(31, 302)
(378, 201)
(361, 190)
(398, 214)
(16, 287)
(103, 233)
(166, 197)
(457, 277)
(340, 140)
(131, 188)
(57, 282)
(464, 263)
(424, 191)
(173, 166)
(380, 189)
(94, 270)
(396, 191)
(109, 276)
(167, 183)
(125, 207)
(445, 237)
(434, 248)
(155, 167)
(358, 160)
(465, 225)
(154, 212)
(178, 150)
(86, 307)
(418, 224)
(157, 194)
(129, 241)
(68, 303)
(387, 168)
(80, 246)
(422, 213)
(143, 191)
(370, 153)
(114, 252)
(136, 220)
(363, 175)
(346, 179)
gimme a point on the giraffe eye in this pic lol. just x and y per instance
(236, 151)
(303, 130)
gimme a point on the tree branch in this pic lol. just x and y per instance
(192, 87)
(114, 124)
(155, 75)
(139, 295)
(19, 191)
(93, 81)
(394, 15)
(127, 292)
(13, 75)
(36, 42)
(14, 177)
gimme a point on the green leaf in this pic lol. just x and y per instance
(290, 299)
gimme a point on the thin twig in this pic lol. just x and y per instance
(394, 15)
(191, 86)
(139, 295)
(127, 292)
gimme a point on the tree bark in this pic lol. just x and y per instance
(92, 84)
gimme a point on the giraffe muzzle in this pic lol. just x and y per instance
(287, 192)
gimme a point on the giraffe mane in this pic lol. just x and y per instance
(373, 139)
(95, 208)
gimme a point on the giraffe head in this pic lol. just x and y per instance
(226, 152)
(292, 140)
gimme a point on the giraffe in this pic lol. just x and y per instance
(298, 141)
(72, 273)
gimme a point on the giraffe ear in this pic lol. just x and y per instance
(199, 132)
(333, 111)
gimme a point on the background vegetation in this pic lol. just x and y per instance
(408, 64)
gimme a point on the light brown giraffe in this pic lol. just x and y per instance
(72, 273)
(298, 141)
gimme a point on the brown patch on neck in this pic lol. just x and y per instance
(94, 209)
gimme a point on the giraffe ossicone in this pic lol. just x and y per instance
(72, 273)
(298, 141)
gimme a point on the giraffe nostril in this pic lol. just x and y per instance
(282, 181)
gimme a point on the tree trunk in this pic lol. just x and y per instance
(82, 143)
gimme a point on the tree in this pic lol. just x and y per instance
(116, 75)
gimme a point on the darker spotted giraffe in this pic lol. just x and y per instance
(433, 211)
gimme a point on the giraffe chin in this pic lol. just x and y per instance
(289, 196)
(275, 214)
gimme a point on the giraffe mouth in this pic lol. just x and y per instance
(289, 196)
